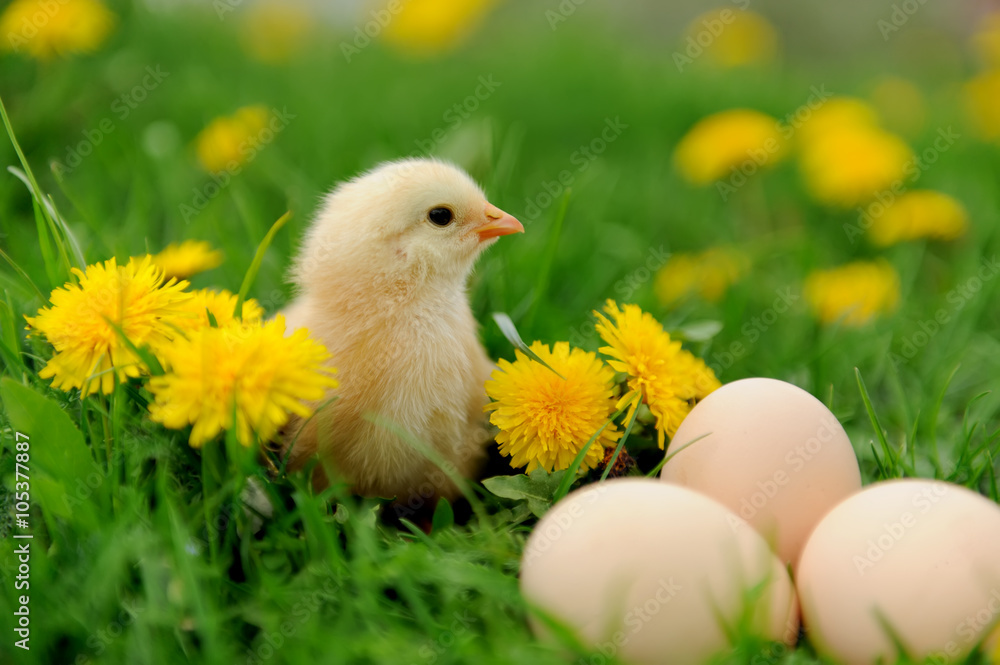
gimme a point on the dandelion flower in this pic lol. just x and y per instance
(919, 214)
(45, 29)
(545, 419)
(275, 31)
(707, 274)
(982, 100)
(188, 258)
(89, 352)
(726, 141)
(853, 294)
(222, 306)
(835, 114)
(739, 38)
(252, 371)
(987, 40)
(660, 373)
(427, 27)
(225, 143)
(848, 166)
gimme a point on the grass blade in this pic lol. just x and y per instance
(571, 470)
(891, 461)
(509, 331)
(545, 269)
(621, 441)
(258, 258)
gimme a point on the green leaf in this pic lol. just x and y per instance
(444, 515)
(537, 489)
(60, 463)
(509, 331)
(258, 258)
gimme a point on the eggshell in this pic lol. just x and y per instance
(771, 453)
(919, 557)
(643, 570)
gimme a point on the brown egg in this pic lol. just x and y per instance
(649, 572)
(917, 561)
(771, 453)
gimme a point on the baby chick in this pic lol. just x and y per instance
(382, 283)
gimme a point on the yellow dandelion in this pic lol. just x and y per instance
(274, 30)
(46, 28)
(187, 258)
(848, 166)
(982, 101)
(987, 40)
(254, 371)
(225, 143)
(426, 27)
(835, 114)
(901, 104)
(660, 373)
(732, 38)
(919, 214)
(707, 274)
(545, 419)
(222, 306)
(853, 294)
(723, 142)
(89, 353)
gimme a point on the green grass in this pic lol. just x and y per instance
(152, 559)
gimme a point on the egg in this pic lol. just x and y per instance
(914, 559)
(647, 572)
(771, 453)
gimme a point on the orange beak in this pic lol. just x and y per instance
(498, 223)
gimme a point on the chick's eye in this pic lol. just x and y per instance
(440, 216)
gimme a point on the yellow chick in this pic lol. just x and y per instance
(381, 280)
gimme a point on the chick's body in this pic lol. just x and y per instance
(382, 283)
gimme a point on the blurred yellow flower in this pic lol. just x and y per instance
(707, 274)
(660, 373)
(853, 294)
(222, 306)
(730, 38)
(187, 258)
(982, 99)
(848, 166)
(545, 419)
(48, 28)
(987, 40)
(919, 214)
(901, 104)
(426, 27)
(835, 114)
(721, 143)
(275, 30)
(226, 142)
(80, 324)
(252, 371)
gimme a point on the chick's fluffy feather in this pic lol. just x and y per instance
(385, 290)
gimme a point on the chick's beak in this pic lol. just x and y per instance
(498, 223)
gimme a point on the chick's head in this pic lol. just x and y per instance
(417, 219)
